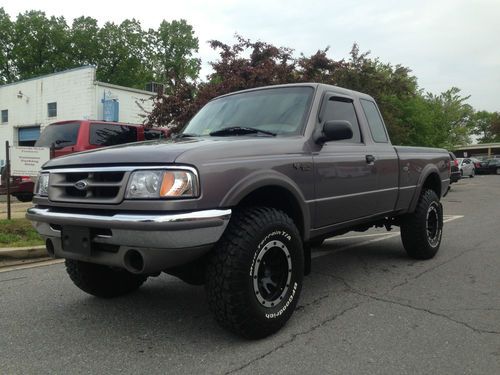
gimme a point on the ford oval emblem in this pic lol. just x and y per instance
(81, 185)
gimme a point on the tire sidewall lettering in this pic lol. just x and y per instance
(271, 313)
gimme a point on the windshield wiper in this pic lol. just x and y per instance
(239, 130)
(185, 135)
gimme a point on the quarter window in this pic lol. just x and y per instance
(340, 109)
(5, 116)
(52, 109)
(375, 123)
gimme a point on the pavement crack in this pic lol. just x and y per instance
(430, 269)
(407, 305)
(294, 337)
(313, 302)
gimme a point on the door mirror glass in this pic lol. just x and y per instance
(336, 130)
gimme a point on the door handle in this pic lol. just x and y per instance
(370, 159)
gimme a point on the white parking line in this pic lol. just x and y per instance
(381, 237)
(32, 265)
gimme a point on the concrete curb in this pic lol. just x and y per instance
(11, 253)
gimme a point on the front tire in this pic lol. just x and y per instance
(254, 276)
(422, 230)
(102, 281)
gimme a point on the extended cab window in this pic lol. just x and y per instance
(375, 123)
(342, 109)
(109, 134)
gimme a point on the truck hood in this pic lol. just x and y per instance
(200, 149)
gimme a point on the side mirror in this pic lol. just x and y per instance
(335, 130)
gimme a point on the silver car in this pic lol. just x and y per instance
(466, 167)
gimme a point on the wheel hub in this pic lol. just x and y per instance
(433, 224)
(272, 273)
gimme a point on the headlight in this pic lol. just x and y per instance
(162, 184)
(42, 184)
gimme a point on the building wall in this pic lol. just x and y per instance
(77, 94)
(129, 101)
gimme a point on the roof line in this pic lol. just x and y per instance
(131, 89)
(49, 75)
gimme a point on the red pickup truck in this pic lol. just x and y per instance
(72, 136)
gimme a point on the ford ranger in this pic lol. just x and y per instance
(238, 198)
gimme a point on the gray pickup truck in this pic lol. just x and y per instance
(237, 200)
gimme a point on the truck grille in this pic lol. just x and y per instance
(92, 186)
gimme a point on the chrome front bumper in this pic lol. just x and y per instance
(173, 239)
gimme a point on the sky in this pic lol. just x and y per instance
(446, 43)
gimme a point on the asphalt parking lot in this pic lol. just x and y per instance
(366, 309)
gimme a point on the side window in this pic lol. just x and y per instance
(375, 123)
(5, 116)
(109, 135)
(337, 109)
(52, 109)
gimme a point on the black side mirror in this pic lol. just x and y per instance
(335, 130)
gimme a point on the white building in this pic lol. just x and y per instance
(26, 107)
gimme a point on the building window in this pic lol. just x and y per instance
(52, 109)
(5, 116)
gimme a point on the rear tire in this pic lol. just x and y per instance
(24, 197)
(254, 276)
(473, 173)
(102, 281)
(422, 230)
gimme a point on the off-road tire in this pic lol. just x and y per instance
(102, 281)
(232, 272)
(418, 241)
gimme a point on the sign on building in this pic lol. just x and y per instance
(27, 161)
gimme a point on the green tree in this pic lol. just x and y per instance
(7, 67)
(41, 44)
(84, 40)
(487, 126)
(170, 53)
(122, 54)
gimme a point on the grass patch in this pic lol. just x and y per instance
(18, 233)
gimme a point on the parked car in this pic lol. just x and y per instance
(454, 171)
(21, 187)
(490, 166)
(476, 162)
(236, 199)
(68, 137)
(466, 167)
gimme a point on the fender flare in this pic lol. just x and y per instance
(426, 172)
(268, 178)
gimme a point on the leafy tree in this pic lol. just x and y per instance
(170, 54)
(7, 67)
(487, 126)
(84, 40)
(41, 44)
(121, 60)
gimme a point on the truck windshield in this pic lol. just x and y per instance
(59, 135)
(278, 110)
